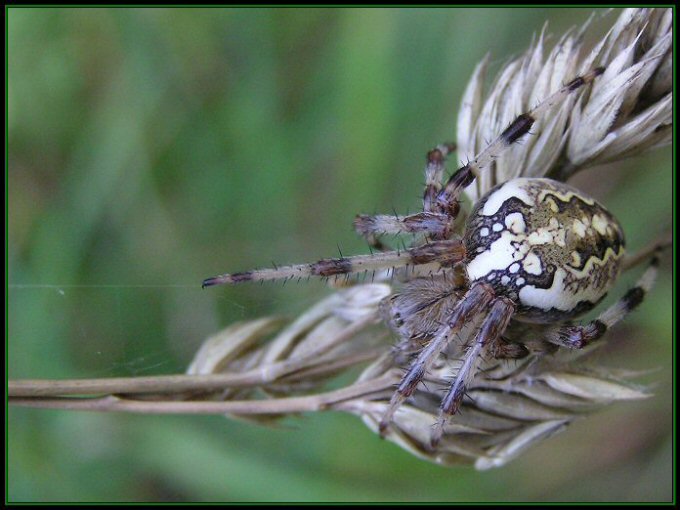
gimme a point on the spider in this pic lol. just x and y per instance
(535, 254)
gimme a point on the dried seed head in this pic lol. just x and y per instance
(512, 405)
(627, 111)
(301, 357)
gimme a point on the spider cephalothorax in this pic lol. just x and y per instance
(533, 254)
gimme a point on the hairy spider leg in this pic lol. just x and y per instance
(434, 224)
(490, 332)
(447, 199)
(434, 173)
(580, 335)
(441, 206)
(472, 303)
(446, 252)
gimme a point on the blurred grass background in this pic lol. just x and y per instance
(151, 148)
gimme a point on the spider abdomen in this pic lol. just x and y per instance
(550, 248)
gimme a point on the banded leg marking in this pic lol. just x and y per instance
(580, 335)
(463, 177)
(432, 223)
(446, 252)
(434, 173)
(472, 303)
(492, 328)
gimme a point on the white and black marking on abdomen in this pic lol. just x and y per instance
(550, 248)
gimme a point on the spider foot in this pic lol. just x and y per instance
(396, 401)
(438, 430)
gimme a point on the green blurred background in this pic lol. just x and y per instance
(151, 148)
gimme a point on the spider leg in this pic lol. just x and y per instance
(434, 172)
(472, 303)
(490, 332)
(446, 253)
(579, 336)
(435, 225)
(503, 349)
(447, 199)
